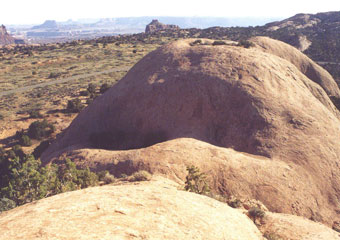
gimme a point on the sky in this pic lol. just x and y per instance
(37, 11)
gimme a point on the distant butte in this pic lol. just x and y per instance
(156, 26)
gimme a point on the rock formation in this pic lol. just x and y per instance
(48, 24)
(155, 26)
(5, 37)
(267, 106)
(147, 210)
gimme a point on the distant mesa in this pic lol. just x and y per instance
(5, 37)
(49, 24)
(156, 26)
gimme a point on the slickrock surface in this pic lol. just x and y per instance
(296, 228)
(145, 210)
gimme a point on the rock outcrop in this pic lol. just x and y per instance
(307, 66)
(148, 210)
(156, 26)
(5, 37)
(284, 226)
(269, 101)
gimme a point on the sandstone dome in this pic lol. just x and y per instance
(147, 210)
(253, 100)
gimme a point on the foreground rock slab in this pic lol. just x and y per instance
(145, 210)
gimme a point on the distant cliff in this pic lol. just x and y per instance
(48, 24)
(5, 38)
(156, 26)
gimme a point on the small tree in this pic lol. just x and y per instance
(35, 114)
(25, 141)
(92, 88)
(74, 106)
(256, 213)
(245, 44)
(40, 129)
(6, 204)
(104, 87)
(219, 42)
(140, 176)
(196, 181)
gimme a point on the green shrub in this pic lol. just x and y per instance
(219, 42)
(196, 181)
(236, 203)
(70, 178)
(245, 44)
(104, 87)
(6, 204)
(40, 129)
(16, 151)
(140, 176)
(84, 93)
(25, 141)
(23, 179)
(106, 177)
(196, 42)
(92, 88)
(256, 213)
(35, 114)
(54, 75)
(74, 106)
(272, 236)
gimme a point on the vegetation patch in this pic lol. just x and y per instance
(24, 179)
(256, 213)
(219, 42)
(35, 114)
(74, 106)
(245, 44)
(272, 236)
(196, 181)
(140, 176)
(40, 129)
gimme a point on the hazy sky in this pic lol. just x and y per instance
(36, 11)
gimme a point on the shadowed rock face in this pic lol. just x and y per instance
(5, 38)
(258, 100)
